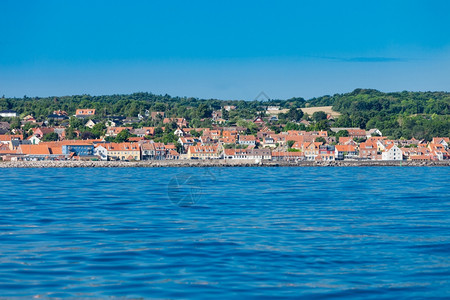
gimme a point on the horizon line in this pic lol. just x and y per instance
(260, 96)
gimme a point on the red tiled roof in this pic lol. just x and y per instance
(117, 130)
(9, 137)
(289, 154)
(345, 139)
(135, 139)
(228, 140)
(421, 157)
(203, 149)
(356, 132)
(345, 148)
(44, 130)
(34, 149)
(85, 112)
(120, 146)
(8, 152)
(437, 140)
(247, 138)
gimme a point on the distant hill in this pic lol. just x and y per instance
(363, 100)
(400, 114)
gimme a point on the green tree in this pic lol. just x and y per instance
(122, 136)
(87, 135)
(225, 114)
(169, 138)
(343, 121)
(320, 139)
(359, 140)
(158, 132)
(319, 116)
(28, 126)
(75, 123)
(170, 127)
(293, 126)
(99, 129)
(179, 147)
(322, 125)
(421, 115)
(50, 137)
(341, 133)
(159, 107)
(294, 114)
(203, 111)
(196, 133)
(70, 133)
(15, 123)
(290, 143)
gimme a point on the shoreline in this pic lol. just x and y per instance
(216, 163)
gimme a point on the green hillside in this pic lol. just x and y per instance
(403, 114)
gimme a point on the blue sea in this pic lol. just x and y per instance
(254, 233)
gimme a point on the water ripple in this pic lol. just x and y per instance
(378, 232)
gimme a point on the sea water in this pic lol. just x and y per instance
(296, 232)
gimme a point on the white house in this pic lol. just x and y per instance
(392, 152)
(259, 154)
(90, 124)
(110, 123)
(269, 142)
(247, 140)
(443, 141)
(373, 131)
(101, 151)
(8, 113)
(344, 151)
(179, 132)
(34, 140)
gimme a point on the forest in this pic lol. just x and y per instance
(421, 115)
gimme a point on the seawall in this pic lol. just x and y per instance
(212, 163)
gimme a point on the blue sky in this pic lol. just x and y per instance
(225, 50)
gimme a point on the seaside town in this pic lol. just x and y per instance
(121, 140)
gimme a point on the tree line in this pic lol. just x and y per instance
(401, 114)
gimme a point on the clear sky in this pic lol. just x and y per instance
(223, 49)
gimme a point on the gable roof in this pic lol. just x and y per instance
(439, 140)
(85, 112)
(203, 149)
(247, 138)
(34, 149)
(5, 125)
(389, 147)
(345, 148)
(10, 137)
(120, 146)
(287, 154)
(346, 140)
(356, 132)
(44, 130)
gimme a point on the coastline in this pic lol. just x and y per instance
(216, 163)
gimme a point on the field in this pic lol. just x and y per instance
(326, 109)
(276, 112)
